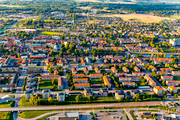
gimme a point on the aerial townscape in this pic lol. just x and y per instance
(89, 59)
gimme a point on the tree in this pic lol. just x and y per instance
(34, 100)
(77, 98)
(50, 100)
(22, 100)
(121, 99)
(176, 95)
(12, 104)
(39, 79)
(90, 98)
(53, 81)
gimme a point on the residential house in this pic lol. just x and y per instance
(46, 94)
(138, 74)
(129, 84)
(80, 80)
(114, 70)
(150, 80)
(172, 83)
(136, 69)
(81, 85)
(125, 69)
(97, 70)
(167, 78)
(119, 94)
(103, 92)
(173, 89)
(85, 69)
(61, 97)
(152, 68)
(95, 75)
(125, 79)
(162, 73)
(158, 90)
(107, 81)
(74, 71)
(78, 75)
(60, 83)
(166, 69)
(49, 77)
(176, 73)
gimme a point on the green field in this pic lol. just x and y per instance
(51, 33)
(45, 117)
(105, 99)
(5, 105)
(46, 84)
(6, 116)
(176, 78)
(31, 114)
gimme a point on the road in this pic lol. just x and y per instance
(95, 111)
(128, 114)
(82, 106)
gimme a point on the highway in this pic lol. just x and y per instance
(82, 106)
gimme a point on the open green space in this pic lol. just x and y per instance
(176, 78)
(148, 110)
(5, 105)
(105, 99)
(31, 114)
(6, 116)
(51, 33)
(46, 84)
(45, 117)
(96, 82)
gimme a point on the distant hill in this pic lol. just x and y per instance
(168, 1)
(156, 0)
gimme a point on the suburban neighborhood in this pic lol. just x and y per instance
(84, 61)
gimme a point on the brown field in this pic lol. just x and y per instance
(105, 1)
(85, 8)
(12, 6)
(139, 17)
(175, 16)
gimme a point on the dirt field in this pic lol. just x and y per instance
(105, 1)
(138, 17)
(10, 6)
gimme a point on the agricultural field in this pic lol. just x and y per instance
(51, 33)
(106, 1)
(145, 18)
(12, 6)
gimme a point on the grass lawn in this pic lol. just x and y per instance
(31, 114)
(96, 82)
(176, 78)
(105, 99)
(145, 18)
(5, 116)
(148, 110)
(46, 84)
(5, 105)
(51, 33)
(152, 99)
(45, 117)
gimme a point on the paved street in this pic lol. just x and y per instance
(82, 106)
(127, 110)
(128, 114)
